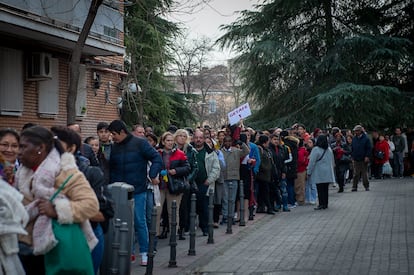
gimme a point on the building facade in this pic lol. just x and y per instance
(35, 50)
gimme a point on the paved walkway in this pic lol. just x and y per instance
(361, 233)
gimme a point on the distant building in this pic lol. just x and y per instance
(37, 39)
(213, 95)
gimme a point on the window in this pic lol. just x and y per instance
(11, 82)
(49, 92)
(81, 98)
(212, 106)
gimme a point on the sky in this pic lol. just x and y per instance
(206, 21)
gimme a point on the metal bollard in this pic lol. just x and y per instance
(191, 250)
(114, 269)
(124, 249)
(230, 210)
(173, 235)
(151, 247)
(210, 216)
(241, 195)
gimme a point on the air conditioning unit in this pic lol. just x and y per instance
(40, 65)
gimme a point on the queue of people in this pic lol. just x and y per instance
(281, 169)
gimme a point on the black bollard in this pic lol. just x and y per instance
(152, 233)
(230, 210)
(210, 216)
(241, 195)
(124, 249)
(191, 250)
(173, 235)
(114, 269)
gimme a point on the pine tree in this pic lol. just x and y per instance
(321, 61)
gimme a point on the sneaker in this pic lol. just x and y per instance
(216, 225)
(334, 185)
(144, 259)
(286, 209)
(292, 206)
(133, 258)
(354, 190)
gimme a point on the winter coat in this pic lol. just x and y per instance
(178, 161)
(321, 165)
(96, 179)
(292, 164)
(266, 166)
(383, 147)
(76, 203)
(254, 154)
(303, 159)
(280, 154)
(340, 150)
(232, 157)
(212, 166)
(13, 219)
(128, 162)
(399, 143)
(361, 147)
(191, 154)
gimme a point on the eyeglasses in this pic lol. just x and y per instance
(5, 146)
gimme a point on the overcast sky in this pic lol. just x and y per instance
(207, 19)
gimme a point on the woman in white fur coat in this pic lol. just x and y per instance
(43, 169)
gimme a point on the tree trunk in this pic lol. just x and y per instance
(327, 7)
(75, 62)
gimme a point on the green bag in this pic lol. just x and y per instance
(71, 255)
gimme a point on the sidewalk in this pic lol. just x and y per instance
(203, 250)
(361, 233)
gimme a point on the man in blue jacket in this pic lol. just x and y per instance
(361, 151)
(128, 163)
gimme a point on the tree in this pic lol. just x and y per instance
(75, 61)
(148, 38)
(190, 66)
(235, 82)
(326, 61)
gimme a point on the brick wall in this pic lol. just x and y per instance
(97, 109)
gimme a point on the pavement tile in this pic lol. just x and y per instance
(360, 233)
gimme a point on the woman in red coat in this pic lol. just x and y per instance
(381, 155)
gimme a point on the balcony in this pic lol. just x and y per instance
(57, 24)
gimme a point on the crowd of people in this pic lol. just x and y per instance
(280, 169)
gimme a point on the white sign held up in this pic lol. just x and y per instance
(239, 113)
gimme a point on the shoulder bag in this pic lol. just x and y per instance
(71, 255)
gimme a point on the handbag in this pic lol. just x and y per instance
(193, 187)
(71, 255)
(379, 154)
(345, 159)
(177, 185)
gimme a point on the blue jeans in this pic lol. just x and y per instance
(97, 252)
(398, 164)
(226, 197)
(140, 222)
(310, 190)
(291, 191)
(283, 192)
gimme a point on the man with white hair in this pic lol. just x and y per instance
(361, 152)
